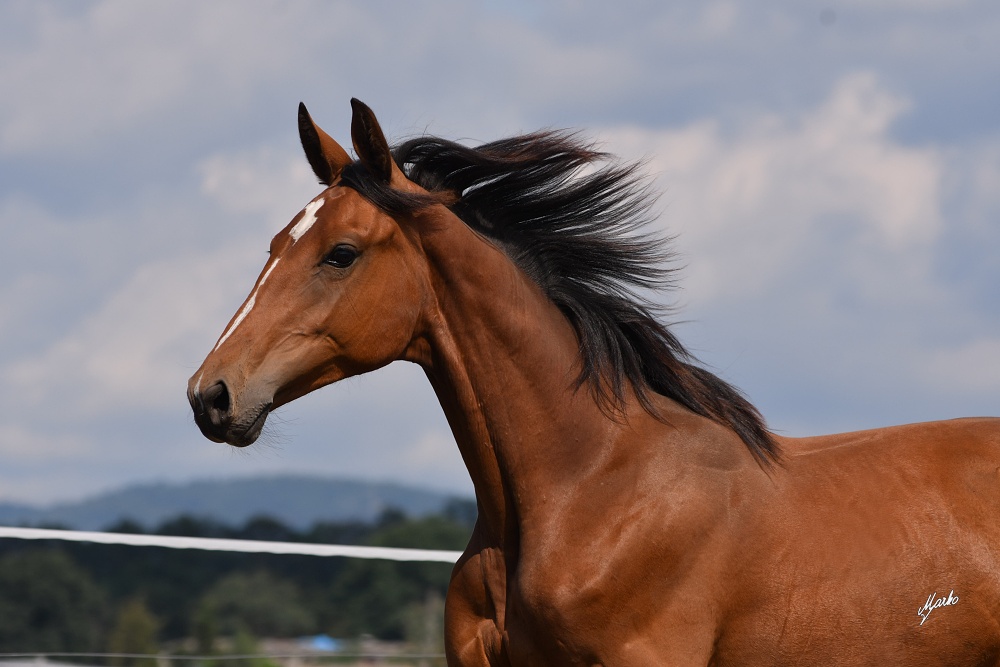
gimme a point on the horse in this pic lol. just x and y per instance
(634, 509)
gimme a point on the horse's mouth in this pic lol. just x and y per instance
(239, 436)
(238, 433)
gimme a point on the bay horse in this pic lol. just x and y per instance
(633, 507)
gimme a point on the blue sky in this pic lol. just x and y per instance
(831, 171)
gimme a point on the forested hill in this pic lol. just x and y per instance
(298, 501)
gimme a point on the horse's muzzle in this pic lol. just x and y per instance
(213, 413)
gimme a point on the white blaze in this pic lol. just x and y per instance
(307, 221)
(296, 232)
(248, 306)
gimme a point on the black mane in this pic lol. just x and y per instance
(572, 220)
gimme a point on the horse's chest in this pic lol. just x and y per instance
(533, 638)
(543, 623)
(562, 614)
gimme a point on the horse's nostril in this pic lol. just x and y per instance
(221, 402)
(216, 398)
(213, 410)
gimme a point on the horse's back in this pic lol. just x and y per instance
(929, 481)
(866, 529)
(977, 431)
(957, 459)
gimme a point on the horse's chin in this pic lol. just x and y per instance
(244, 436)
(239, 433)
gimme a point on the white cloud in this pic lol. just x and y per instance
(720, 18)
(264, 182)
(829, 218)
(754, 204)
(822, 251)
(84, 76)
(750, 202)
(137, 350)
(22, 446)
(434, 459)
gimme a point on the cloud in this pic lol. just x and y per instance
(84, 76)
(772, 186)
(835, 187)
(433, 459)
(264, 182)
(134, 351)
(123, 365)
(819, 248)
(757, 204)
(23, 447)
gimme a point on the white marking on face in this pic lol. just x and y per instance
(248, 306)
(307, 221)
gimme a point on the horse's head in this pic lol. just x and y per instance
(340, 294)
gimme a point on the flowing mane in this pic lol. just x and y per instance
(573, 220)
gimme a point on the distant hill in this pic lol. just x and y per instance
(296, 500)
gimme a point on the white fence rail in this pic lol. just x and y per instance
(245, 546)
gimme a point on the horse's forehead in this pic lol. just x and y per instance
(311, 213)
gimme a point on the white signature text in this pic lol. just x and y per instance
(933, 602)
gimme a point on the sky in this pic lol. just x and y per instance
(831, 172)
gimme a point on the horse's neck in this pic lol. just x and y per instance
(504, 363)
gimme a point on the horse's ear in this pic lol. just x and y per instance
(370, 143)
(326, 157)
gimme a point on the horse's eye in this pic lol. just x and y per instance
(342, 256)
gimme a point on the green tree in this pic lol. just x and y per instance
(244, 643)
(206, 629)
(382, 598)
(134, 632)
(260, 602)
(47, 603)
(424, 626)
(372, 597)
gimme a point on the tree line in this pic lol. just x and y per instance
(78, 597)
